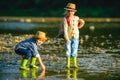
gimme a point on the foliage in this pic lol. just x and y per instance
(86, 8)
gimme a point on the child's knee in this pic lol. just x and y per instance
(28, 55)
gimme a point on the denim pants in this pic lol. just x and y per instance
(23, 52)
(72, 48)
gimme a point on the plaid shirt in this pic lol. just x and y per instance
(28, 44)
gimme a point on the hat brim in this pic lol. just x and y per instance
(43, 39)
(70, 9)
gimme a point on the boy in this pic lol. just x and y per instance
(71, 26)
(28, 48)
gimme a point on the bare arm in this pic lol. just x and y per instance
(81, 23)
(41, 63)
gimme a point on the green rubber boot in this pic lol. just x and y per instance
(67, 62)
(23, 65)
(75, 62)
(33, 62)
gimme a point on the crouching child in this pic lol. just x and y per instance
(28, 48)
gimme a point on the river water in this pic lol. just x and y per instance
(98, 53)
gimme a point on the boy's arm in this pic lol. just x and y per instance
(65, 26)
(81, 23)
(40, 62)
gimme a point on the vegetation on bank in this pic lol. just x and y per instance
(83, 12)
(49, 8)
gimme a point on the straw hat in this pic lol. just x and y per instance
(70, 6)
(40, 35)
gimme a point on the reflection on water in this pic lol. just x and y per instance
(90, 67)
(32, 74)
(72, 74)
(23, 74)
(98, 54)
(17, 25)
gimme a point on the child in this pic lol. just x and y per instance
(28, 48)
(71, 25)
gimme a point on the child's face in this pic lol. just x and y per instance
(39, 42)
(71, 12)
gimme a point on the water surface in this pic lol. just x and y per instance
(98, 53)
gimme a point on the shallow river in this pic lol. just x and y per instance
(98, 53)
(91, 67)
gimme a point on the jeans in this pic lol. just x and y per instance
(72, 48)
(24, 52)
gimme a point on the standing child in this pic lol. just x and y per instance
(71, 25)
(28, 48)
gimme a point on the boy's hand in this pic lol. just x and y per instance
(67, 42)
(41, 63)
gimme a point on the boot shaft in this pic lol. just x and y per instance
(23, 64)
(75, 62)
(33, 62)
(67, 62)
